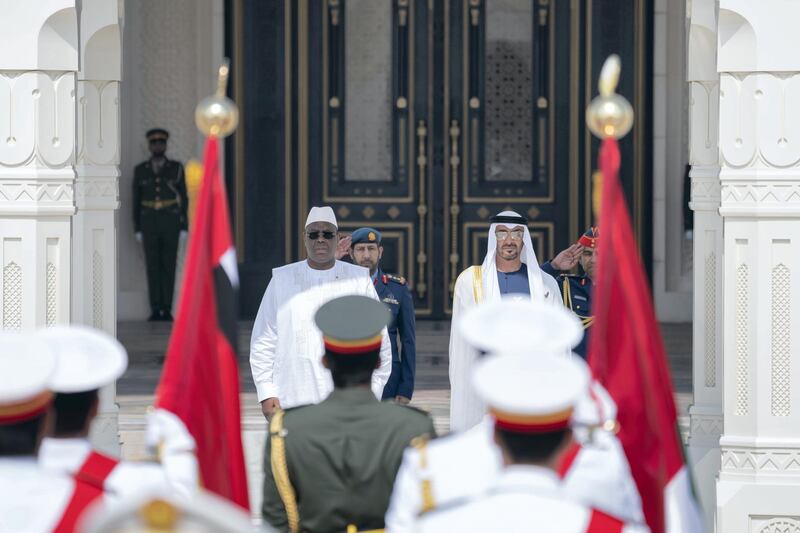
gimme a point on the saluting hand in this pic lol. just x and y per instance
(567, 259)
(343, 248)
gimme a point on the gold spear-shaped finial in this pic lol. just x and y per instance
(218, 115)
(610, 114)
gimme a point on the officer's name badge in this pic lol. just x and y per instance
(390, 300)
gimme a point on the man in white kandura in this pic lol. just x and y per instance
(593, 472)
(532, 401)
(510, 268)
(286, 347)
(86, 360)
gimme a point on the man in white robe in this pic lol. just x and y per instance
(286, 347)
(510, 267)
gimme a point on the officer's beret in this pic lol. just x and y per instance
(368, 235)
(156, 134)
(590, 238)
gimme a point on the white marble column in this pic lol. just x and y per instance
(94, 280)
(759, 481)
(38, 66)
(706, 410)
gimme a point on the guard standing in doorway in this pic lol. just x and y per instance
(159, 219)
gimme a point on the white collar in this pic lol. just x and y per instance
(536, 478)
(63, 455)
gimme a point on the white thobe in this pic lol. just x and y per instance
(286, 347)
(522, 499)
(466, 408)
(177, 471)
(462, 465)
(31, 500)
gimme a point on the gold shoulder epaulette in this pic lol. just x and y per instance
(397, 279)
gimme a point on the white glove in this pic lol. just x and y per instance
(166, 433)
(138, 236)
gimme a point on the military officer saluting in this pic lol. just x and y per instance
(366, 251)
(160, 220)
(331, 466)
(576, 290)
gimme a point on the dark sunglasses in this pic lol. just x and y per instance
(314, 235)
(158, 141)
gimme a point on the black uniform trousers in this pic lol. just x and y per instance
(161, 232)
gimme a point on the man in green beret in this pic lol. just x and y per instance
(331, 466)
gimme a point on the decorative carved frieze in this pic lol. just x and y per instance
(761, 460)
(98, 123)
(705, 192)
(40, 129)
(706, 426)
(760, 120)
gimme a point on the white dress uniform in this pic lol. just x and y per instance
(31, 500)
(523, 499)
(127, 478)
(163, 511)
(86, 360)
(527, 397)
(462, 465)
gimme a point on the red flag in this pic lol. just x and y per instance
(200, 380)
(627, 356)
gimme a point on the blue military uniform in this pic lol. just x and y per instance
(394, 292)
(576, 291)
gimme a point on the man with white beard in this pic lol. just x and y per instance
(510, 268)
(448, 471)
(286, 346)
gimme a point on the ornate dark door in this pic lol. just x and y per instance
(423, 118)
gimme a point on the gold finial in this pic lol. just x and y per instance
(159, 515)
(217, 115)
(609, 115)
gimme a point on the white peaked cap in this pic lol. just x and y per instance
(26, 366)
(531, 393)
(321, 214)
(520, 326)
(86, 358)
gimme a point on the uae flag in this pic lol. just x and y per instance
(627, 356)
(200, 380)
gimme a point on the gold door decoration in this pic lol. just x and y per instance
(398, 204)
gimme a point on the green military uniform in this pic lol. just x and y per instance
(330, 467)
(160, 207)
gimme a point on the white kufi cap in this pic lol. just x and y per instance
(87, 358)
(321, 214)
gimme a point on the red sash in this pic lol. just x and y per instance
(566, 460)
(89, 482)
(600, 522)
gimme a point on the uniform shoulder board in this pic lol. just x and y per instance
(397, 279)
